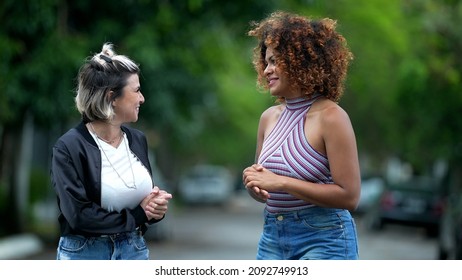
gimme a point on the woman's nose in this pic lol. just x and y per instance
(268, 69)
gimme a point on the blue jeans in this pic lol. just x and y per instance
(121, 246)
(310, 234)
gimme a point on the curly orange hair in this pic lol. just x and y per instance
(310, 52)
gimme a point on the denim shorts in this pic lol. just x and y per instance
(120, 246)
(310, 234)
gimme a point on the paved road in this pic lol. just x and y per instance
(220, 233)
(231, 232)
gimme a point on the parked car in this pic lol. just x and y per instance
(209, 184)
(418, 202)
(371, 189)
(450, 237)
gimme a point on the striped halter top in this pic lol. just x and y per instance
(287, 152)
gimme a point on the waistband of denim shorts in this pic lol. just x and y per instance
(137, 231)
(303, 212)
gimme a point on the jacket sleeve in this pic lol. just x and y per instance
(79, 210)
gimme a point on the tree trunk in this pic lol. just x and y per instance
(15, 164)
(8, 159)
(23, 167)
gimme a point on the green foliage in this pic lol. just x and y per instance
(402, 92)
(429, 99)
(39, 185)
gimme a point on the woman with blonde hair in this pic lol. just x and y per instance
(100, 169)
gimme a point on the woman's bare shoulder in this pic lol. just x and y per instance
(269, 117)
(273, 111)
(329, 111)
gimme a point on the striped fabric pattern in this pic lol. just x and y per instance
(287, 152)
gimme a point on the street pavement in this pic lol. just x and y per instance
(232, 231)
(219, 232)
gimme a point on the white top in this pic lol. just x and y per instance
(115, 195)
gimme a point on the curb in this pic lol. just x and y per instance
(20, 246)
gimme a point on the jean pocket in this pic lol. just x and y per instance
(139, 242)
(72, 243)
(323, 222)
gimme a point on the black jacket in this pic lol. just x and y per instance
(76, 179)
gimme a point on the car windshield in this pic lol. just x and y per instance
(422, 184)
(206, 172)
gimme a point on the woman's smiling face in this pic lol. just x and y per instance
(127, 106)
(278, 82)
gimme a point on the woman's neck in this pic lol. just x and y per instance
(108, 132)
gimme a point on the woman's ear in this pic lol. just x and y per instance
(110, 98)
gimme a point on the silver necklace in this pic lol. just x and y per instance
(107, 141)
(113, 168)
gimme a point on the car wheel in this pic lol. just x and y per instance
(442, 254)
(458, 251)
(432, 231)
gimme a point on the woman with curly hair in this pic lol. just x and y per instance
(307, 168)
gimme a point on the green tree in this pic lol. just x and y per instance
(202, 104)
(180, 47)
(430, 98)
(36, 54)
